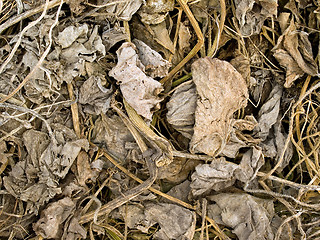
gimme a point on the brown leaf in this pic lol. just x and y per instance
(248, 216)
(139, 90)
(84, 171)
(181, 109)
(252, 14)
(155, 11)
(294, 52)
(221, 91)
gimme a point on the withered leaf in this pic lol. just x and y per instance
(248, 216)
(221, 91)
(139, 90)
(155, 65)
(52, 223)
(217, 175)
(95, 97)
(155, 11)
(181, 108)
(252, 14)
(180, 225)
(294, 52)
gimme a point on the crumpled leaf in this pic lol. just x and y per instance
(178, 170)
(238, 139)
(221, 91)
(155, 11)
(94, 96)
(112, 134)
(269, 112)
(214, 176)
(294, 52)
(55, 216)
(155, 65)
(220, 174)
(274, 144)
(70, 61)
(123, 10)
(139, 90)
(71, 34)
(248, 216)
(251, 162)
(252, 14)
(181, 109)
(36, 179)
(180, 224)
(112, 36)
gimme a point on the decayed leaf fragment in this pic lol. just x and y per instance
(294, 52)
(155, 11)
(251, 14)
(139, 90)
(215, 176)
(221, 91)
(155, 65)
(181, 108)
(248, 216)
(175, 221)
(56, 217)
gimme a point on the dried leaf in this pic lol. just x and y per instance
(94, 96)
(221, 91)
(274, 144)
(180, 225)
(155, 65)
(184, 37)
(123, 10)
(248, 216)
(252, 14)
(50, 225)
(112, 134)
(175, 221)
(155, 11)
(70, 34)
(251, 162)
(84, 171)
(294, 52)
(180, 191)
(162, 36)
(214, 176)
(181, 109)
(238, 139)
(139, 90)
(112, 36)
(269, 112)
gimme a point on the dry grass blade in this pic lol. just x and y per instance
(196, 48)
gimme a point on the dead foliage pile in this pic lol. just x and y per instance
(159, 119)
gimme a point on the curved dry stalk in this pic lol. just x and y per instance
(281, 159)
(195, 49)
(215, 44)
